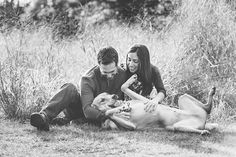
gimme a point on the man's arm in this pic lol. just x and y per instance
(87, 87)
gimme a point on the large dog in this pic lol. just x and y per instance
(190, 117)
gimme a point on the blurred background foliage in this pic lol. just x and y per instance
(69, 17)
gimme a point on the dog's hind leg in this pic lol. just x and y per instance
(192, 105)
(211, 126)
(208, 106)
(186, 100)
(189, 125)
(191, 130)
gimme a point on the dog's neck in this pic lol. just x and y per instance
(119, 103)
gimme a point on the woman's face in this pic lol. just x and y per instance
(133, 62)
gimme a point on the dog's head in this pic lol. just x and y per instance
(104, 101)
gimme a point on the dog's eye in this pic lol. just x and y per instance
(103, 99)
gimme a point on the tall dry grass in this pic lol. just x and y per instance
(206, 55)
(194, 52)
(34, 66)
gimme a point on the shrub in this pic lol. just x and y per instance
(9, 15)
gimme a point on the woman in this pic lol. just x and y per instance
(138, 62)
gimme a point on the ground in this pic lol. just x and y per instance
(21, 139)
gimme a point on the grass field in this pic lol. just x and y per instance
(86, 140)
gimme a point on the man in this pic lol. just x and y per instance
(105, 77)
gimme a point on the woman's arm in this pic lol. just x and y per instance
(161, 92)
(158, 83)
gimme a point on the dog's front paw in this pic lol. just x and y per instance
(130, 81)
(205, 132)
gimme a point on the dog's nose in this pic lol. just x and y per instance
(114, 96)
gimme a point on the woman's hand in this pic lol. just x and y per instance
(150, 106)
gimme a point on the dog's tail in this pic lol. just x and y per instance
(208, 105)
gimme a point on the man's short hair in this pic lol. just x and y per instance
(107, 55)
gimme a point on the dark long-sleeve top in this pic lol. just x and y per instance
(92, 84)
(157, 81)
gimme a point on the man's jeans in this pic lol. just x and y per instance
(66, 100)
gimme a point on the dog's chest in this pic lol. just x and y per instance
(138, 114)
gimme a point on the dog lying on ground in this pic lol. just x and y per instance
(190, 117)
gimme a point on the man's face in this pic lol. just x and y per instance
(108, 70)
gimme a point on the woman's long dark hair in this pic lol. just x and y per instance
(144, 71)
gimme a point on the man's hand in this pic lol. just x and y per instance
(109, 112)
(150, 106)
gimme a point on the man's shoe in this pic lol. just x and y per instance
(39, 120)
(79, 121)
(60, 121)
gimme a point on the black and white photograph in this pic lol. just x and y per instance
(117, 78)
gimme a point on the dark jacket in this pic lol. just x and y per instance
(92, 84)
